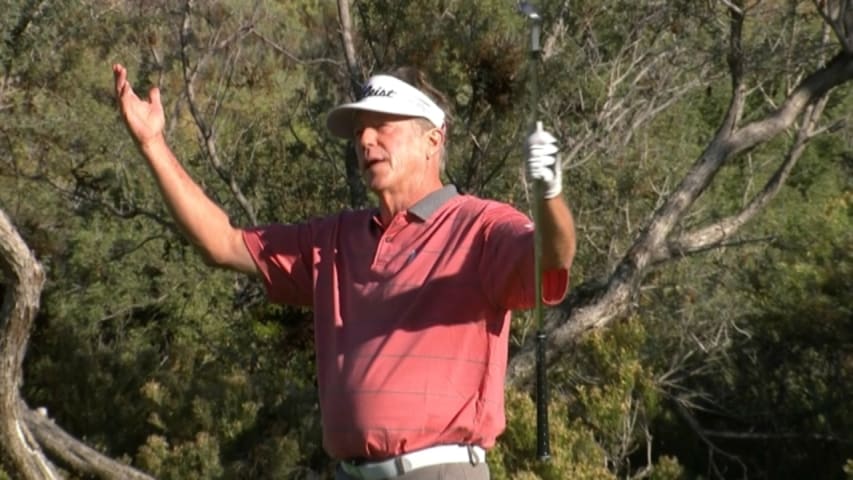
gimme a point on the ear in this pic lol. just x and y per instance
(435, 137)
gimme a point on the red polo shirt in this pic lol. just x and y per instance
(411, 319)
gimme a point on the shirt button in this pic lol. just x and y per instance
(388, 239)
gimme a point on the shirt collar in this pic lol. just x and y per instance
(432, 202)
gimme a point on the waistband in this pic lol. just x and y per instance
(399, 465)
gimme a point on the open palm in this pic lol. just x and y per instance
(144, 119)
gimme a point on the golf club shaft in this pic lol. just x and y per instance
(543, 447)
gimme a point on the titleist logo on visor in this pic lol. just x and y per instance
(373, 91)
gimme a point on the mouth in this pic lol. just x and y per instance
(368, 164)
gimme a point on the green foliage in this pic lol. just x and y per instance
(617, 387)
(614, 393)
(574, 454)
(199, 458)
(770, 378)
(604, 400)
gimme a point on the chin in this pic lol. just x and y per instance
(375, 183)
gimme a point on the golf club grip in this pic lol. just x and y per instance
(543, 446)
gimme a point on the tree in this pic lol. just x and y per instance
(665, 238)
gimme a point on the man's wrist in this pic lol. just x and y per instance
(553, 188)
(552, 192)
(152, 144)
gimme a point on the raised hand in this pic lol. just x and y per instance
(144, 118)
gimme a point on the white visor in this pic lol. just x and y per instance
(385, 94)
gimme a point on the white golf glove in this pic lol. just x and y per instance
(543, 162)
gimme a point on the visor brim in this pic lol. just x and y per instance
(341, 120)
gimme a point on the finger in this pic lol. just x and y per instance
(543, 160)
(122, 84)
(154, 96)
(542, 150)
(119, 75)
(544, 174)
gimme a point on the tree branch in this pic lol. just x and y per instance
(713, 235)
(287, 53)
(25, 279)
(641, 82)
(736, 69)
(355, 75)
(24, 433)
(712, 447)
(596, 305)
(838, 14)
(839, 70)
(74, 453)
(353, 64)
(206, 131)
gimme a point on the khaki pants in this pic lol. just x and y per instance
(445, 471)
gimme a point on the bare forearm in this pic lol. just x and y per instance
(558, 234)
(204, 223)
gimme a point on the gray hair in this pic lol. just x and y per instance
(418, 79)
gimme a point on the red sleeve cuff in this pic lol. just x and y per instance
(555, 285)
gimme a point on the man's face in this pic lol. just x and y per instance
(392, 150)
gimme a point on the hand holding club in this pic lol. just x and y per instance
(543, 161)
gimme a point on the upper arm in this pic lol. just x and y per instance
(282, 256)
(239, 258)
(508, 263)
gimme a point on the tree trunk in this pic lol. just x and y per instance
(24, 279)
(358, 192)
(23, 431)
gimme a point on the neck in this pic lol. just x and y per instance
(392, 202)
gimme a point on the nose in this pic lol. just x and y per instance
(365, 140)
(366, 136)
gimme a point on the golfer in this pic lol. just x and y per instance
(411, 299)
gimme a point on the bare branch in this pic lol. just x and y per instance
(25, 278)
(735, 7)
(651, 246)
(353, 64)
(838, 71)
(24, 432)
(594, 306)
(358, 192)
(713, 449)
(206, 130)
(287, 53)
(638, 90)
(717, 233)
(80, 197)
(735, 60)
(775, 436)
(838, 14)
(74, 453)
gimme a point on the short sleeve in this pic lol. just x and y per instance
(283, 255)
(507, 265)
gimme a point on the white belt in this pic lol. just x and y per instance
(407, 462)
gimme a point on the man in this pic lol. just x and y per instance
(411, 300)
